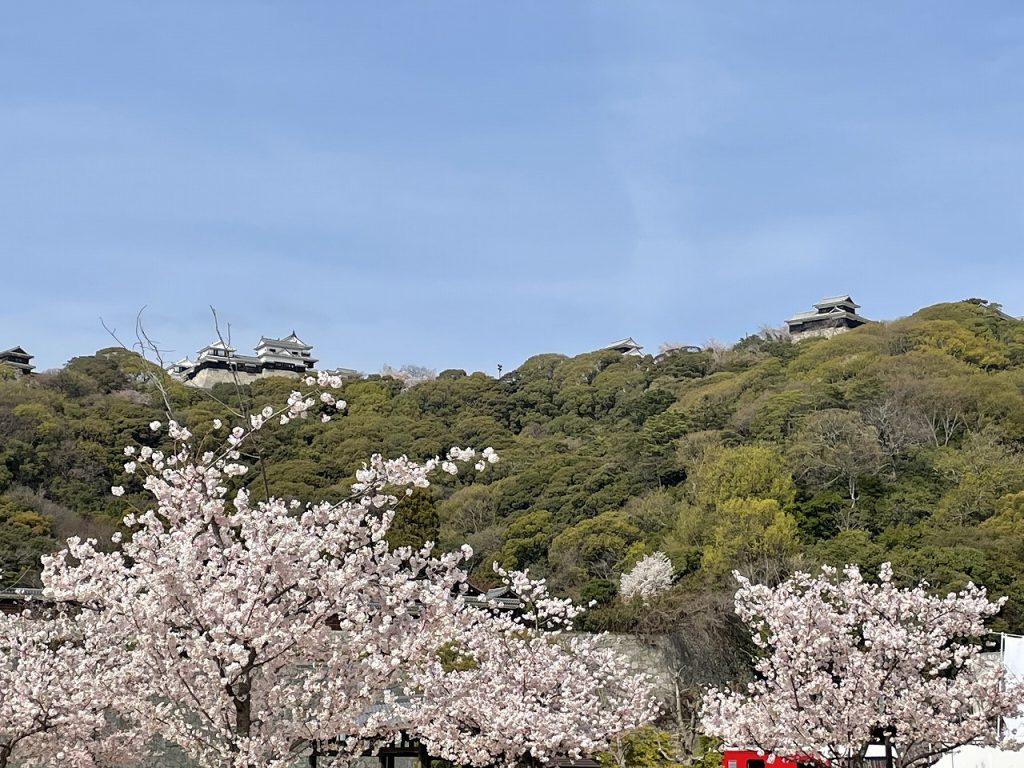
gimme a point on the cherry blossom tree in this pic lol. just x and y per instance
(845, 659)
(259, 628)
(55, 691)
(652, 574)
(512, 687)
(253, 633)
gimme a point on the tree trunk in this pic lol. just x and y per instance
(243, 708)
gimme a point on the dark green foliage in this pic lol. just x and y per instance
(416, 521)
(24, 536)
(599, 591)
(526, 541)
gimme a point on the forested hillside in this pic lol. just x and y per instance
(899, 441)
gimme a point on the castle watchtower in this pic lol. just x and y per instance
(217, 350)
(290, 354)
(218, 363)
(18, 359)
(625, 347)
(182, 368)
(831, 316)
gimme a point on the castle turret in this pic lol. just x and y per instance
(18, 359)
(288, 353)
(831, 316)
(625, 346)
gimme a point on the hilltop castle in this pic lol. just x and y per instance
(18, 359)
(219, 363)
(625, 347)
(831, 316)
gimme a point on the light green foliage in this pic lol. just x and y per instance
(596, 548)
(684, 542)
(772, 415)
(751, 471)
(960, 343)
(455, 659)
(1009, 517)
(468, 512)
(24, 536)
(643, 748)
(982, 471)
(754, 536)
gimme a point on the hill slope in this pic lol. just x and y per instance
(898, 441)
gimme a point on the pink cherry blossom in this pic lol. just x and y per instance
(57, 684)
(513, 687)
(842, 657)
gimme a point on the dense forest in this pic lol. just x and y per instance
(899, 441)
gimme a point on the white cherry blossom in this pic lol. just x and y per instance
(652, 574)
(512, 688)
(57, 684)
(842, 657)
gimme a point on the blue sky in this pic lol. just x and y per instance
(462, 184)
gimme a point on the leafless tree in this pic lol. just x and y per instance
(834, 447)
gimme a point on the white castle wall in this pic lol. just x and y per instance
(208, 377)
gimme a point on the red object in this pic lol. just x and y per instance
(747, 758)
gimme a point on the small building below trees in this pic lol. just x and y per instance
(831, 316)
(15, 600)
(18, 359)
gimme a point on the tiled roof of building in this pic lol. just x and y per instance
(17, 358)
(806, 317)
(627, 345)
(219, 344)
(288, 341)
(832, 308)
(831, 301)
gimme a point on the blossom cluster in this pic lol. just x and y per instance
(844, 659)
(514, 684)
(56, 683)
(651, 575)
